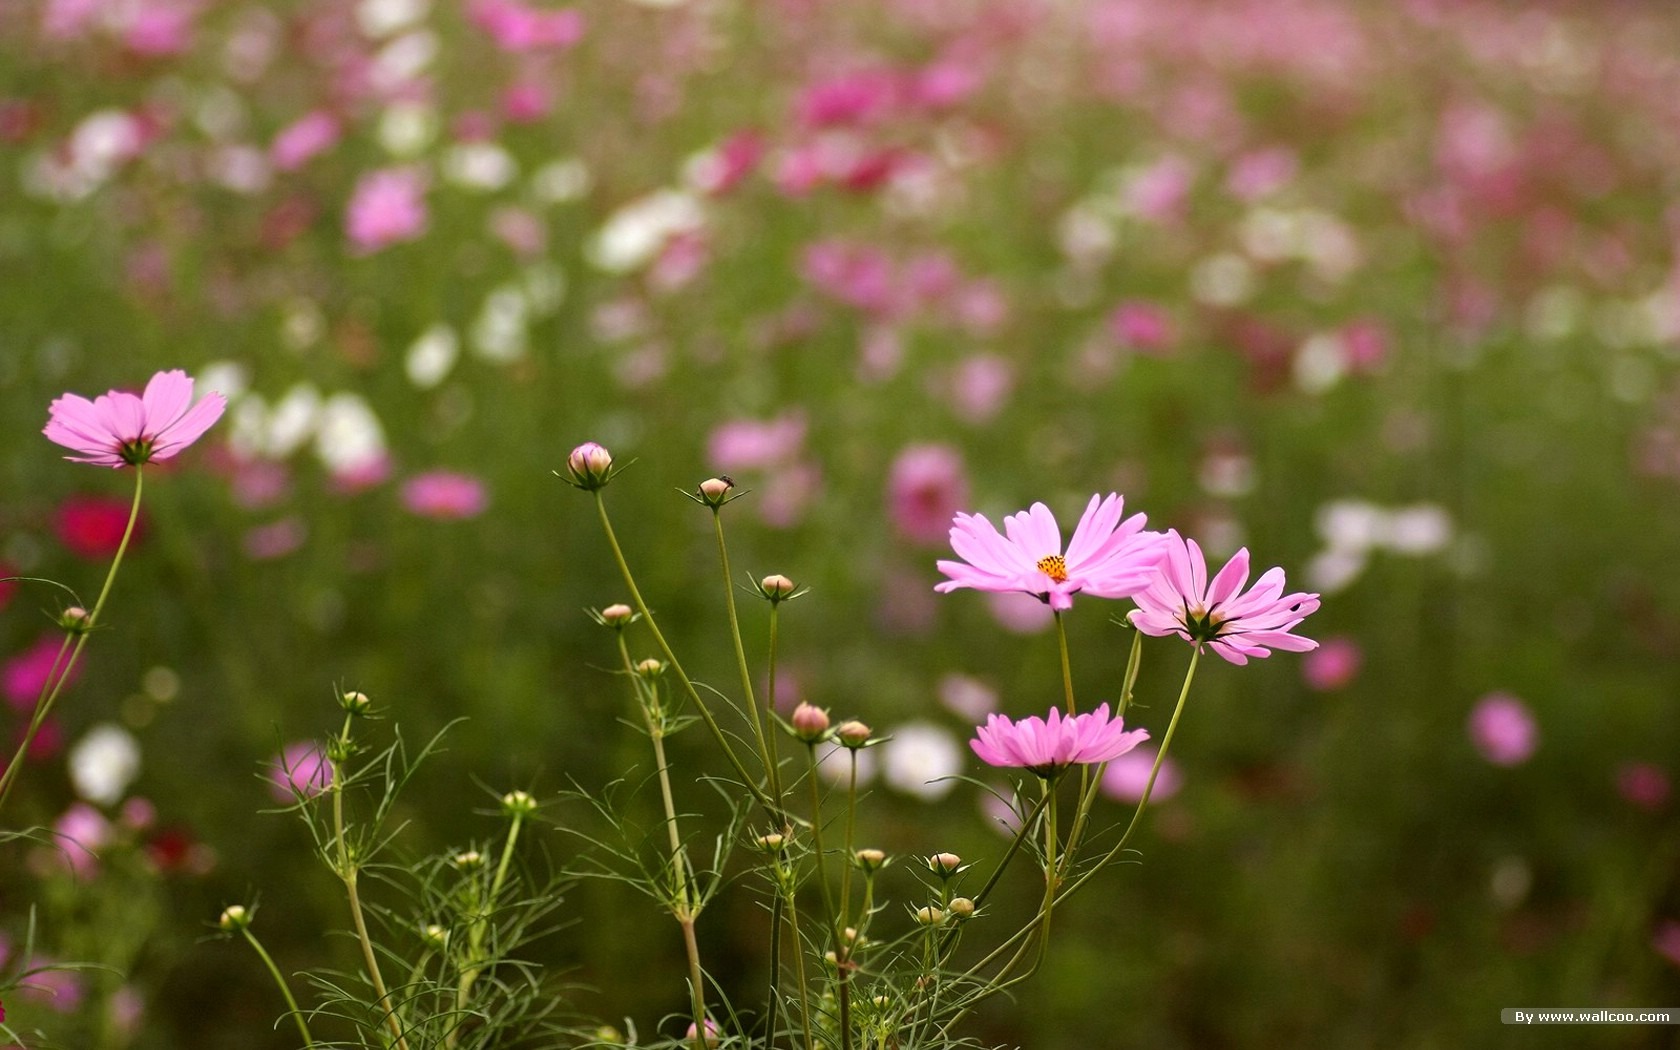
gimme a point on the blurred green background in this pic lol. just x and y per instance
(1386, 292)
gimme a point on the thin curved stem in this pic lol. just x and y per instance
(285, 990)
(766, 743)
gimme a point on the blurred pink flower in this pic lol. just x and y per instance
(1262, 172)
(926, 488)
(515, 26)
(1182, 601)
(79, 833)
(68, 19)
(1048, 747)
(527, 102)
(8, 586)
(92, 526)
(27, 674)
(445, 495)
(387, 207)
(301, 769)
(729, 163)
(1503, 730)
(1643, 784)
(1142, 326)
(1365, 346)
(857, 275)
(851, 98)
(303, 140)
(119, 428)
(979, 388)
(1126, 777)
(62, 990)
(274, 540)
(1333, 665)
(259, 483)
(1158, 192)
(159, 27)
(1020, 613)
(750, 444)
(1666, 940)
(1107, 557)
(945, 83)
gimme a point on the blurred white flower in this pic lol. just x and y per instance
(634, 234)
(499, 333)
(1320, 363)
(381, 18)
(919, 757)
(348, 436)
(104, 763)
(835, 766)
(1423, 528)
(545, 288)
(407, 128)
(1351, 525)
(1226, 279)
(1334, 570)
(967, 696)
(403, 60)
(560, 181)
(228, 378)
(479, 166)
(242, 169)
(432, 355)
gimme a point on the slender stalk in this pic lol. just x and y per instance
(766, 743)
(348, 871)
(56, 678)
(1090, 785)
(799, 966)
(849, 855)
(1067, 666)
(747, 779)
(841, 961)
(1149, 785)
(1134, 662)
(481, 924)
(291, 1003)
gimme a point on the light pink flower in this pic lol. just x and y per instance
(1182, 601)
(445, 495)
(1503, 730)
(515, 27)
(1049, 746)
(81, 831)
(119, 428)
(303, 140)
(388, 207)
(1333, 666)
(300, 771)
(926, 487)
(1127, 776)
(1107, 557)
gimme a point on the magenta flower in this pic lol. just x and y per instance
(926, 487)
(445, 495)
(1107, 558)
(387, 207)
(120, 428)
(301, 771)
(1182, 601)
(1048, 747)
(1503, 730)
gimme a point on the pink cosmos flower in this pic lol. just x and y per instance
(388, 207)
(445, 495)
(119, 428)
(301, 771)
(1107, 558)
(1127, 776)
(1049, 746)
(304, 139)
(1334, 666)
(27, 675)
(1182, 601)
(1503, 730)
(925, 488)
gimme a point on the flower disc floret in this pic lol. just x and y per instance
(1048, 746)
(1109, 556)
(119, 429)
(1182, 600)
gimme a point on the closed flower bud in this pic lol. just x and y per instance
(518, 804)
(930, 916)
(650, 668)
(810, 724)
(234, 917)
(468, 860)
(714, 492)
(436, 937)
(881, 1002)
(711, 1038)
(771, 843)
(617, 615)
(853, 734)
(961, 908)
(590, 466)
(776, 587)
(609, 1035)
(75, 620)
(355, 702)
(944, 864)
(870, 859)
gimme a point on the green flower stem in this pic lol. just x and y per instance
(1089, 786)
(291, 1003)
(849, 855)
(1026, 828)
(688, 905)
(766, 744)
(747, 779)
(1067, 666)
(1149, 785)
(798, 957)
(348, 871)
(1133, 663)
(54, 684)
(481, 925)
(835, 935)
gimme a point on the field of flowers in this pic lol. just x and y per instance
(1387, 293)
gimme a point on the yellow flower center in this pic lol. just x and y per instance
(1053, 566)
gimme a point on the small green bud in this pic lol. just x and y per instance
(651, 668)
(518, 804)
(961, 908)
(617, 615)
(944, 864)
(870, 859)
(609, 1035)
(853, 734)
(234, 917)
(771, 843)
(468, 860)
(75, 620)
(435, 937)
(355, 702)
(930, 916)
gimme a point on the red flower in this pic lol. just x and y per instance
(92, 526)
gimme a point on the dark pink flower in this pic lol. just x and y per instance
(1182, 600)
(445, 495)
(1047, 747)
(1142, 326)
(1666, 941)
(516, 27)
(1107, 557)
(1503, 730)
(1643, 784)
(119, 428)
(388, 207)
(92, 526)
(27, 674)
(300, 771)
(926, 487)
(303, 140)
(1333, 665)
